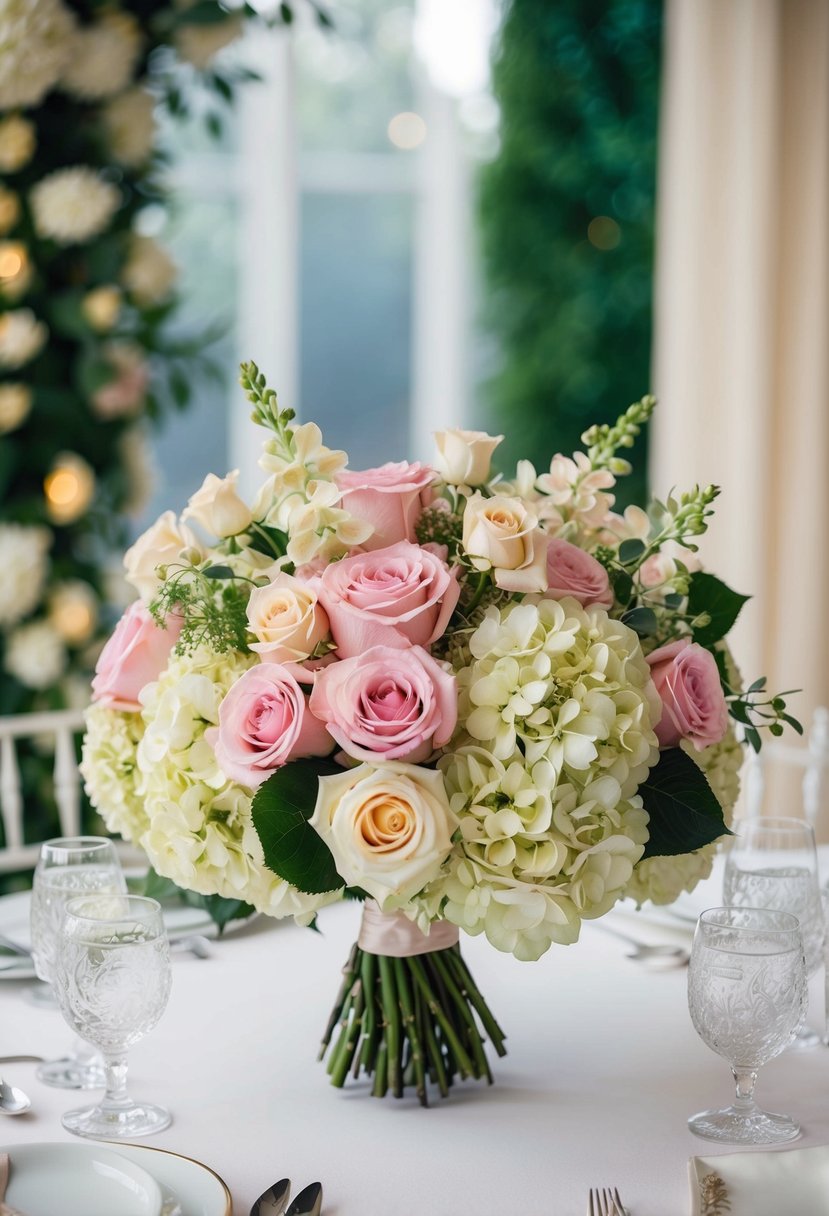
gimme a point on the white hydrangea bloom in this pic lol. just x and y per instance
(663, 879)
(129, 120)
(149, 272)
(35, 655)
(558, 708)
(102, 57)
(22, 337)
(35, 38)
(23, 560)
(200, 831)
(73, 205)
(109, 766)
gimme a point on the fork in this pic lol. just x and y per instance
(605, 1203)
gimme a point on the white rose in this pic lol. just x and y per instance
(464, 456)
(287, 619)
(161, 544)
(501, 534)
(102, 57)
(130, 126)
(21, 337)
(389, 828)
(149, 272)
(217, 506)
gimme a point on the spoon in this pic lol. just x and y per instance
(274, 1200)
(661, 955)
(194, 944)
(307, 1202)
(13, 1101)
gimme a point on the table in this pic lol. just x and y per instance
(603, 1069)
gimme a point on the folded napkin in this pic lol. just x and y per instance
(768, 1183)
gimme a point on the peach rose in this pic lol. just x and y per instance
(135, 655)
(390, 498)
(399, 597)
(264, 722)
(217, 506)
(502, 534)
(387, 704)
(288, 620)
(464, 457)
(693, 706)
(572, 571)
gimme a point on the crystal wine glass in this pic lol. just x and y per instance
(772, 863)
(747, 996)
(67, 867)
(112, 981)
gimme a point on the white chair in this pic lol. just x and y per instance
(812, 757)
(62, 725)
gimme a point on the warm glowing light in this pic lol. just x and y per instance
(68, 488)
(407, 131)
(73, 611)
(604, 232)
(12, 261)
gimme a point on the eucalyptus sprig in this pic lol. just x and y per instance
(211, 600)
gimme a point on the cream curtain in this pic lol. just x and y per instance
(741, 361)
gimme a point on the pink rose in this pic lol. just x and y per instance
(264, 722)
(399, 597)
(390, 498)
(571, 571)
(693, 705)
(387, 704)
(134, 656)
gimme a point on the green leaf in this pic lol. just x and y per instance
(642, 621)
(674, 600)
(281, 810)
(630, 551)
(219, 572)
(220, 910)
(709, 594)
(739, 712)
(683, 809)
(162, 889)
(793, 723)
(622, 586)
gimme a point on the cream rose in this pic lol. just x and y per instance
(217, 506)
(501, 534)
(464, 457)
(162, 543)
(287, 619)
(389, 828)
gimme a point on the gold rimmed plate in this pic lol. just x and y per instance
(197, 1187)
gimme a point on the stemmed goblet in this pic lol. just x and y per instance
(112, 981)
(747, 996)
(772, 863)
(67, 867)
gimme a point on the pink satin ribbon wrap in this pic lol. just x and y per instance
(394, 935)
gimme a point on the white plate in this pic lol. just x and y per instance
(199, 1190)
(85, 1179)
(181, 921)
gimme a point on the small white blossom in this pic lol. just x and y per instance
(22, 337)
(73, 205)
(35, 40)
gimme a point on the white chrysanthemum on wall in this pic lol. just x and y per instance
(198, 44)
(558, 708)
(23, 560)
(35, 655)
(17, 143)
(200, 832)
(149, 272)
(663, 879)
(73, 205)
(22, 337)
(129, 120)
(103, 57)
(109, 767)
(35, 37)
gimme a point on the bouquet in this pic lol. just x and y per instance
(473, 704)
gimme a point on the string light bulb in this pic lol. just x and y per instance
(69, 488)
(15, 269)
(73, 611)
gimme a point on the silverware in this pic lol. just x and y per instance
(13, 1101)
(193, 944)
(274, 1200)
(21, 1059)
(307, 1202)
(605, 1203)
(663, 955)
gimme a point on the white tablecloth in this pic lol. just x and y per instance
(603, 1069)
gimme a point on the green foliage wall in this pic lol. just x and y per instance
(568, 215)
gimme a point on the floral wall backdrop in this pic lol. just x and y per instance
(88, 355)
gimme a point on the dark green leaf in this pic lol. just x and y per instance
(219, 572)
(709, 594)
(793, 723)
(162, 889)
(622, 586)
(220, 910)
(739, 712)
(753, 738)
(758, 685)
(642, 621)
(630, 551)
(674, 600)
(286, 13)
(683, 809)
(281, 810)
